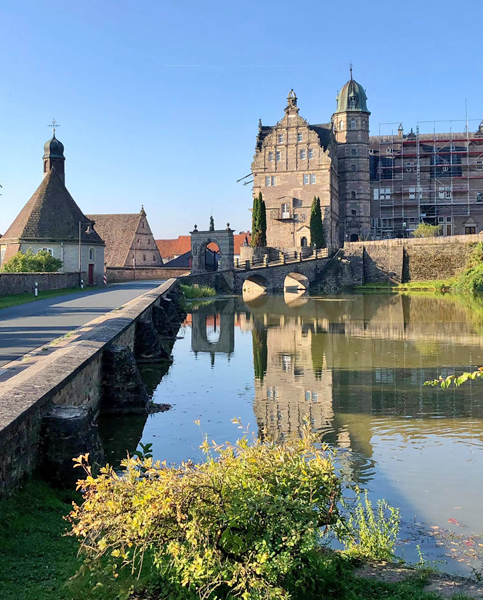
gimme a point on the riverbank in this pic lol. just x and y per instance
(39, 562)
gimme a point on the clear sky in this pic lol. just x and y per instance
(159, 100)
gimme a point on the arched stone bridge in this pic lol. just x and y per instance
(278, 277)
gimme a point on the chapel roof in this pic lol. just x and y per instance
(52, 214)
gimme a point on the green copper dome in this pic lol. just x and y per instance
(352, 97)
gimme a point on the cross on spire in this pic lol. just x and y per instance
(350, 68)
(53, 126)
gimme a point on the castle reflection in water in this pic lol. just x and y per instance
(338, 361)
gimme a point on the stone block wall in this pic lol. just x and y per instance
(21, 283)
(414, 259)
(71, 377)
(120, 274)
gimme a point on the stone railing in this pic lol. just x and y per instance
(48, 412)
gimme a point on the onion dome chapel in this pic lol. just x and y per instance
(52, 221)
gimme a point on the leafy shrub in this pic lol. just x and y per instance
(425, 230)
(197, 291)
(243, 523)
(369, 533)
(471, 279)
(28, 262)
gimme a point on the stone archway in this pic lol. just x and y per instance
(223, 238)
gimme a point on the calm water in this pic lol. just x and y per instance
(355, 366)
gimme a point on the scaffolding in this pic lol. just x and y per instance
(429, 175)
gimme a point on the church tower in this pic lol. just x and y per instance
(54, 157)
(351, 127)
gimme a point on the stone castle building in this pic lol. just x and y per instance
(370, 187)
(52, 221)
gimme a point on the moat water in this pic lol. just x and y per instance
(355, 366)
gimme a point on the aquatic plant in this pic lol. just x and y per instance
(197, 291)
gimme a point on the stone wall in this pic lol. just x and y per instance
(119, 274)
(20, 283)
(71, 377)
(414, 259)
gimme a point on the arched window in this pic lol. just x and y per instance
(341, 125)
(303, 241)
(91, 253)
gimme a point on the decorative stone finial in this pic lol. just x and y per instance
(228, 226)
(212, 224)
(292, 98)
(195, 228)
(259, 125)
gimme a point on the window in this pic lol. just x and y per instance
(274, 181)
(353, 194)
(269, 181)
(363, 123)
(2, 255)
(448, 219)
(302, 154)
(312, 178)
(376, 194)
(353, 123)
(382, 194)
(440, 219)
(353, 212)
(142, 224)
(285, 211)
(308, 396)
(353, 167)
(479, 196)
(270, 157)
(448, 193)
(479, 165)
(278, 155)
(412, 219)
(154, 257)
(300, 137)
(91, 253)
(306, 179)
(149, 240)
(49, 250)
(315, 396)
(341, 125)
(144, 257)
(412, 193)
(280, 138)
(311, 153)
(353, 151)
(470, 230)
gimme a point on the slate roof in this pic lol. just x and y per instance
(52, 215)
(118, 232)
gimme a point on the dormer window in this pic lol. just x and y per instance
(352, 102)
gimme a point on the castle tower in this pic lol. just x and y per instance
(351, 128)
(54, 157)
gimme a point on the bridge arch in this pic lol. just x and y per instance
(254, 286)
(296, 281)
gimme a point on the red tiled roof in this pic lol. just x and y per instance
(182, 244)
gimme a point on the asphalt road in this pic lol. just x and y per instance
(28, 326)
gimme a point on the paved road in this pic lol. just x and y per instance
(28, 326)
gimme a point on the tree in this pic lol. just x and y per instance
(28, 262)
(425, 230)
(317, 235)
(259, 222)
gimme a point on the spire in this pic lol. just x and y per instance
(54, 158)
(350, 68)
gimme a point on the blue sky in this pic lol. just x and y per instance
(159, 101)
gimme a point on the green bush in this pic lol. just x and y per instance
(424, 230)
(243, 523)
(197, 291)
(369, 533)
(42, 262)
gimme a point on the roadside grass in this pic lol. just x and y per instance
(38, 562)
(18, 299)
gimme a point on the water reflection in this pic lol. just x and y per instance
(355, 367)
